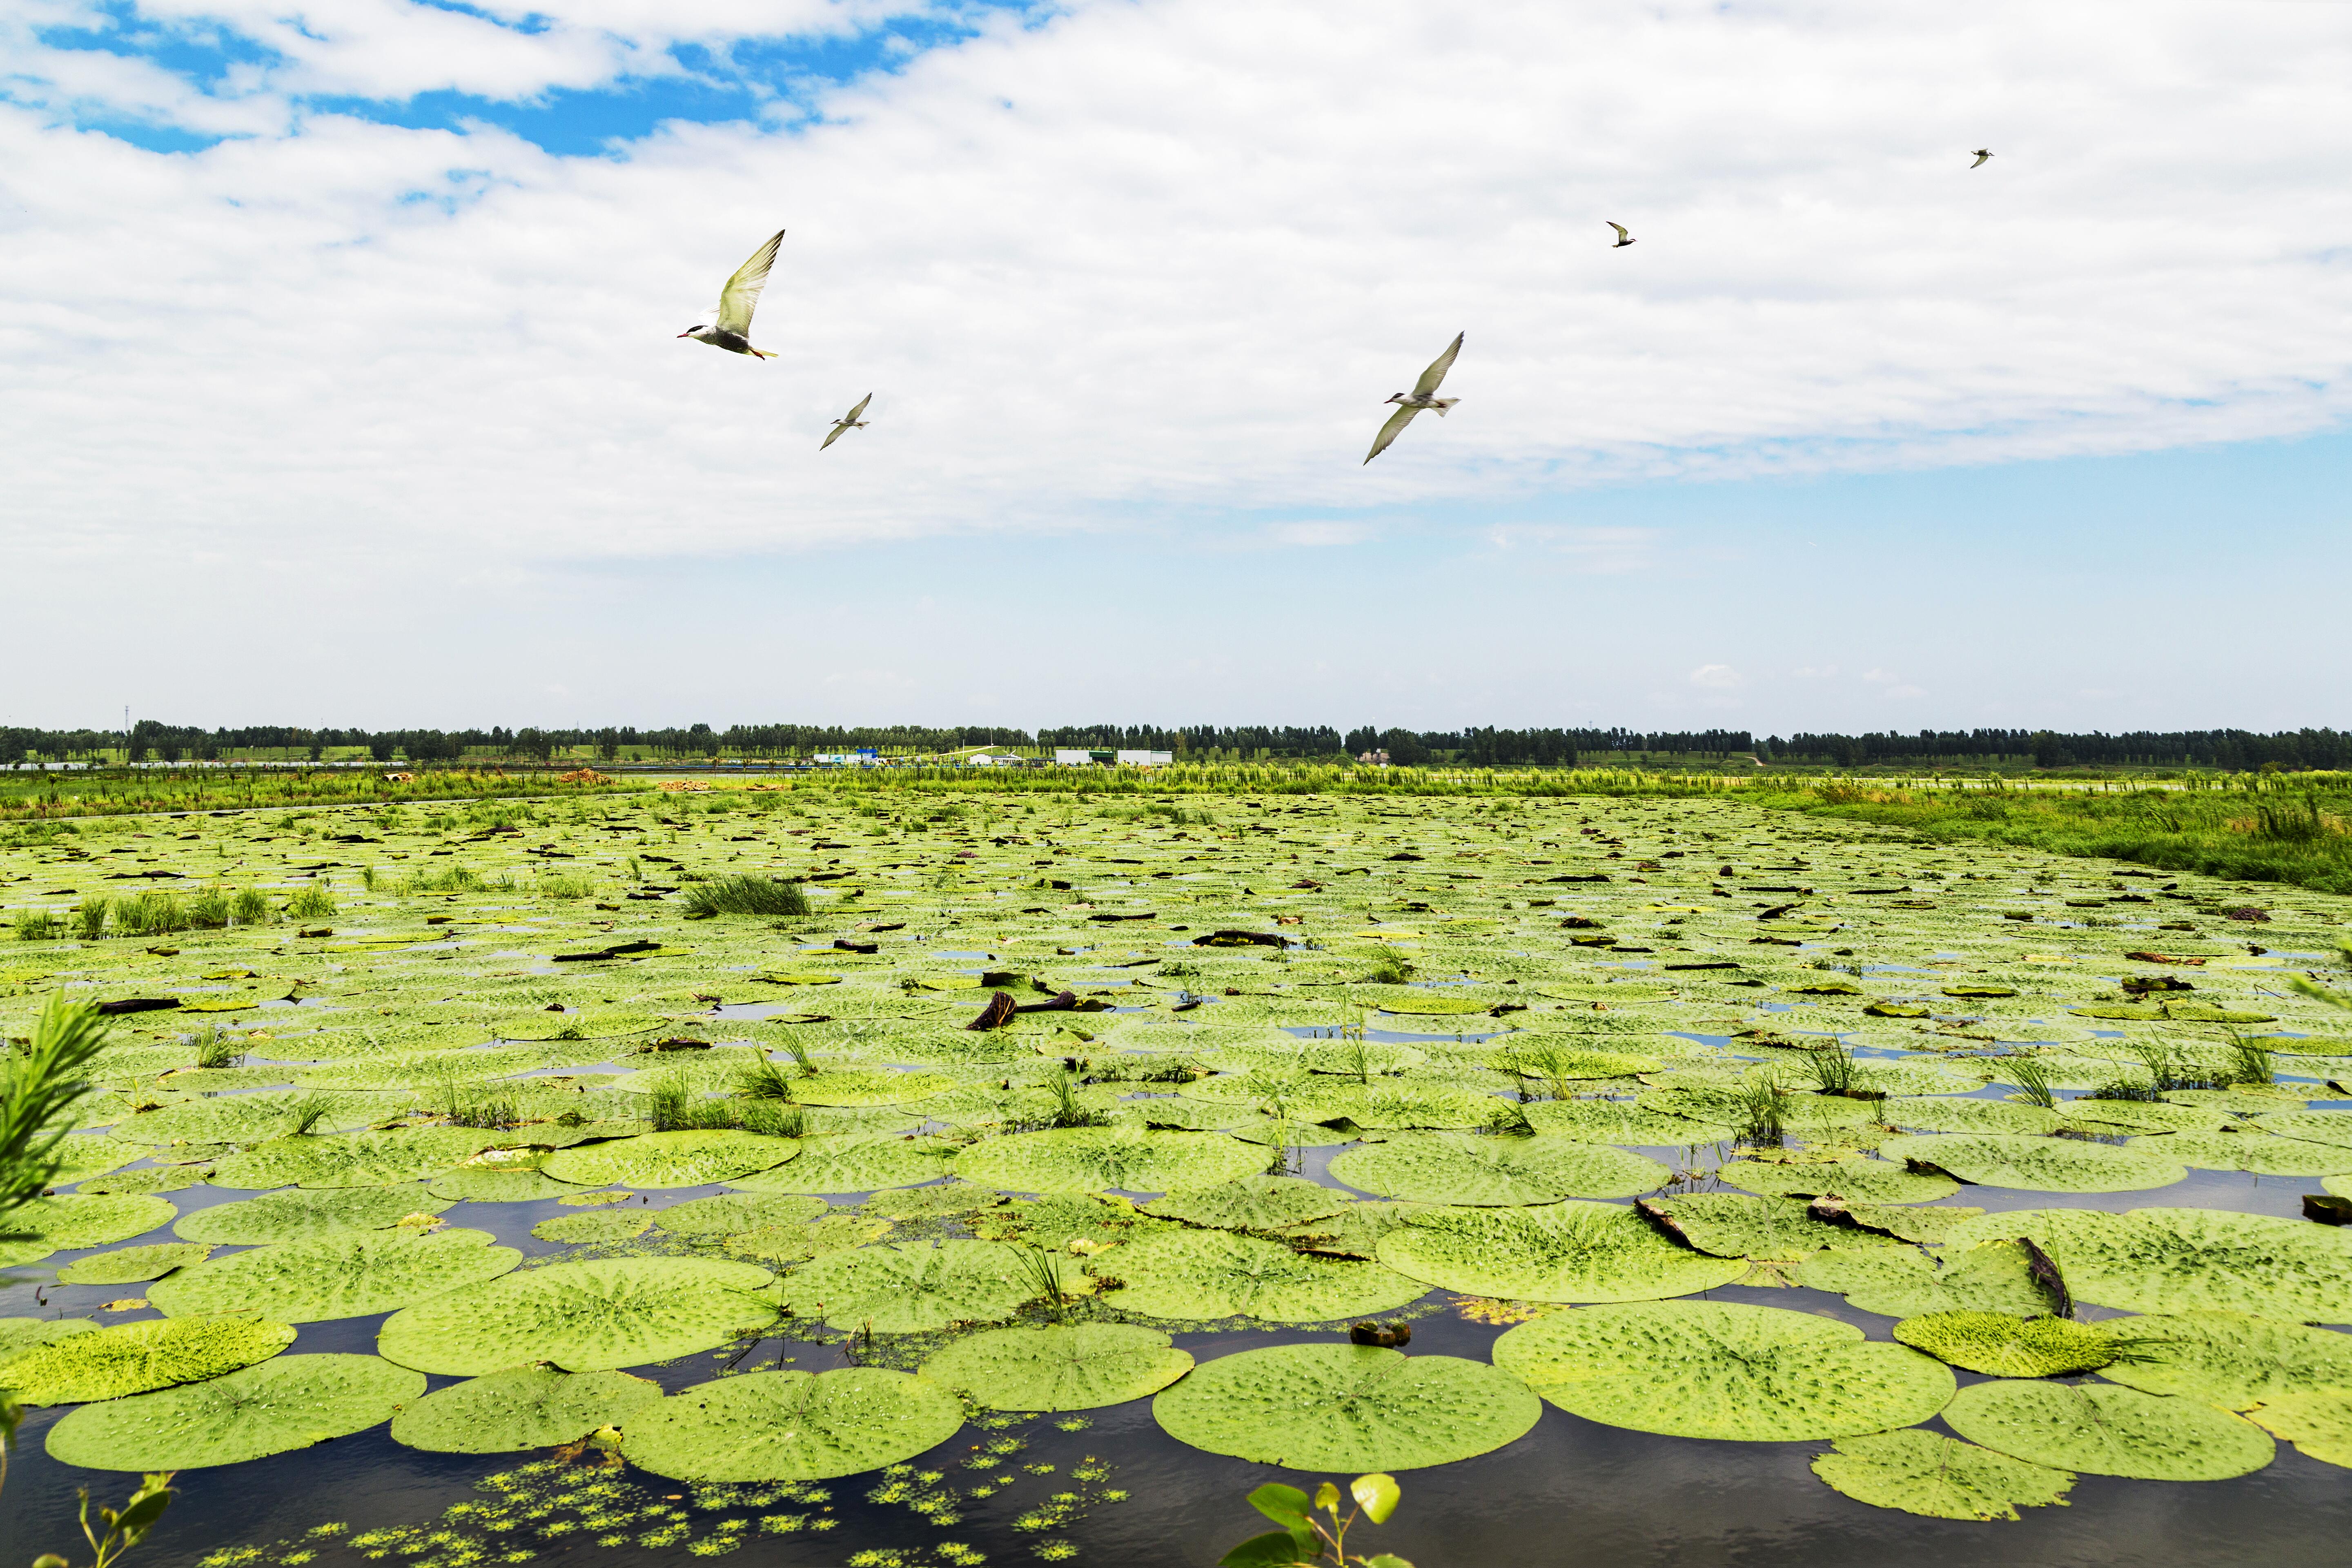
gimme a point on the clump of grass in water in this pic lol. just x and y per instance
(1042, 1270)
(1067, 1111)
(216, 1048)
(89, 917)
(764, 1080)
(34, 925)
(1832, 1064)
(150, 914)
(2250, 1061)
(1389, 967)
(2032, 1081)
(312, 903)
(565, 887)
(250, 908)
(745, 896)
(306, 1113)
(774, 1121)
(209, 910)
(1758, 1104)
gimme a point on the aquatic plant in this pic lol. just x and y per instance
(2033, 1080)
(123, 1528)
(34, 925)
(1305, 1539)
(745, 895)
(315, 902)
(89, 917)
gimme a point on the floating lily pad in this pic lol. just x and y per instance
(729, 1212)
(2178, 1260)
(854, 1163)
(1083, 1367)
(1927, 1226)
(1215, 1274)
(2331, 1127)
(2107, 1430)
(521, 1407)
(1558, 1252)
(599, 1228)
(344, 1274)
(20, 1335)
(1763, 1230)
(1614, 1121)
(2005, 1344)
(1104, 1159)
(2038, 1164)
(1345, 1409)
(791, 1426)
(2318, 1424)
(795, 1242)
(1992, 1277)
(914, 1287)
(1394, 1105)
(940, 1202)
(661, 1160)
(1461, 1168)
(869, 1088)
(353, 1159)
(74, 1220)
(1937, 1477)
(1704, 1369)
(2258, 1152)
(302, 1213)
(2234, 1359)
(474, 1184)
(2105, 1118)
(258, 1118)
(1259, 1203)
(132, 1265)
(592, 1316)
(135, 1357)
(1940, 1113)
(288, 1403)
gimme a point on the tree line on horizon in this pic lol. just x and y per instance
(1472, 746)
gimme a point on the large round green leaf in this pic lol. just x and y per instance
(1940, 1113)
(1558, 1252)
(353, 1159)
(2037, 1164)
(2314, 1126)
(474, 1184)
(1860, 1181)
(1924, 1473)
(1108, 1158)
(521, 1407)
(1706, 1369)
(343, 1274)
(2318, 1424)
(795, 1241)
(1254, 1203)
(791, 1426)
(2234, 1359)
(2005, 1344)
(1466, 1169)
(2109, 1431)
(854, 1163)
(591, 1316)
(1616, 1121)
(1764, 1230)
(1081, 1367)
(303, 1213)
(1216, 1274)
(876, 1087)
(132, 1265)
(1394, 1105)
(74, 1220)
(728, 1214)
(659, 1159)
(1904, 1283)
(912, 1288)
(2178, 1260)
(257, 1118)
(22, 1336)
(288, 1403)
(1347, 1408)
(134, 1358)
(2258, 1152)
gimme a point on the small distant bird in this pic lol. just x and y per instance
(1982, 153)
(732, 329)
(849, 421)
(1623, 240)
(1422, 395)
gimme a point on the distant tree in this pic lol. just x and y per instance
(608, 743)
(382, 747)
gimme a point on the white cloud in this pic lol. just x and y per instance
(1880, 677)
(1812, 672)
(1592, 549)
(1318, 533)
(1717, 678)
(1155, 260)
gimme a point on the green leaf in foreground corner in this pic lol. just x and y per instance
(1706, 1369)
(591, 1316)
(2004, 1344)
(1082, 1367)
(136, 1358)
(521, 1407)
(791, 1426)
(1275, 1549)
(1377, 1494)
(2108, 1431)
(1924, 1473)
(1347, 1407)
(288, 1403)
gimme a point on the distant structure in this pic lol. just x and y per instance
(1374, 759)
(1099, 756)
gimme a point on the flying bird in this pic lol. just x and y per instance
(849, 421)
(1623, 240)
(731, 328)
(1982, 153)
(1422, 395)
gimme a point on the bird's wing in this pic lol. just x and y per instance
(1435, 373)
(860, 408)
(742, 295)
(1397, 421)
(1981, 157)
(832, 436)
(1618, 226)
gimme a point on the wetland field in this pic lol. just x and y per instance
(889, 1178)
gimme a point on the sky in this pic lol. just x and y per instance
(341, 384)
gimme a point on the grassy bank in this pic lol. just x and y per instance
(2289, 828)
(37, 797)
(1240, 778)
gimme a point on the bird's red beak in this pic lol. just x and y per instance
(686, 334)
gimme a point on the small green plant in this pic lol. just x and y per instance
(2250, 1061)
(151, 913)
(1304, 1538)
(1389, 967)
(1067, 1110)
(1832, 1064)
(2032, 1081)
(745, 896)
(1759, 1108)
(89, 917)
(306, 1113)
(563, 887)
(797, 1048)
(210, 910)
(774, 1121)
(218, 1048)
(34, 925)
(250, 908)
(764, 1080)
(1042, 1270)
(367, 877)
(315, 902)
(125, 1526)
